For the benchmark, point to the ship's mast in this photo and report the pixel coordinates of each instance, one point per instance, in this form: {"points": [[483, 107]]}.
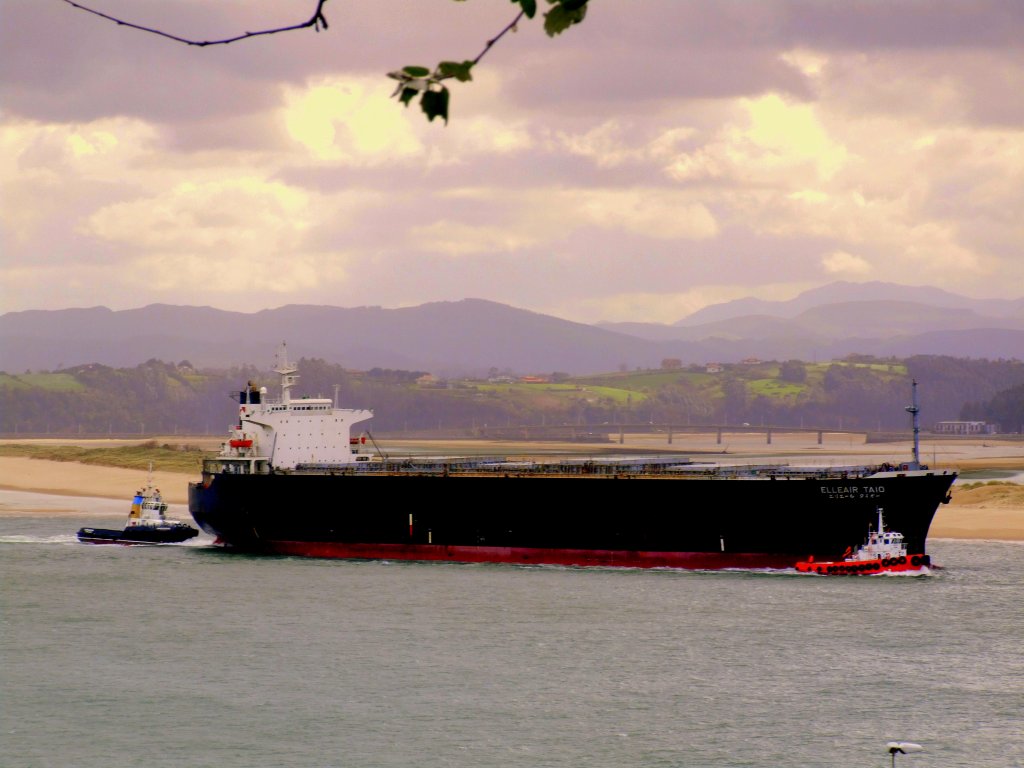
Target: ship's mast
{"points": [[287, 371], [913, 410]]}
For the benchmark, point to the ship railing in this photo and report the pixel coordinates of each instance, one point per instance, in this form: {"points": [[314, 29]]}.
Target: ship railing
{"points": [[240, 465], [633, 468]]}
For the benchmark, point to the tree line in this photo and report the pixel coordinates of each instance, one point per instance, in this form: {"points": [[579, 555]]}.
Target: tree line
{"points": [[859, 392]]}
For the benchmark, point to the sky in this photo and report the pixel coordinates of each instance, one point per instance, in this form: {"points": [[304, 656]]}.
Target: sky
{"points": [[661, 156]]}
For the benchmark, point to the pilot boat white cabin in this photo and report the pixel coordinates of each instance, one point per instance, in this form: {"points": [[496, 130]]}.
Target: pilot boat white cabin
{"points": [[880, 544], [148, 508]]}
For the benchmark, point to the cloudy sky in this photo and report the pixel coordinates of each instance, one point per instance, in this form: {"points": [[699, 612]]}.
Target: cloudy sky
{"points": [[662, 156]]}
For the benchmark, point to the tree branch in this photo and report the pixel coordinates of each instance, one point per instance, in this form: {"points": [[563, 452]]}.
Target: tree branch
{"points": [[413, 81], [511, 26], [316, 21]]}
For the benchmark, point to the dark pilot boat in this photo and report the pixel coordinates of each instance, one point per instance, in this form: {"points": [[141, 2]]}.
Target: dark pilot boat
{"points": [[147, 523]]}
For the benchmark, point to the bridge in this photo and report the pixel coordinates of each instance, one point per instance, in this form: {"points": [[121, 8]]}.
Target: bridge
{"points": [[609, 432]]}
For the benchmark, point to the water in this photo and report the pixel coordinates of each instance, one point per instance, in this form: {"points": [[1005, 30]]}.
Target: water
{"points": [[991, 475], [187, 656]]}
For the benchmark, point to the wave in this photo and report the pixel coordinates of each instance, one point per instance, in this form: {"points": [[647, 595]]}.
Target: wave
{"points": [[201, 542], [62, 538]]}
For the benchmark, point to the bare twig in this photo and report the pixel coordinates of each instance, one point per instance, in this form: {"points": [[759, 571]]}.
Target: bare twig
{"points": [[412, 80], [316, 21], [511, 26]]}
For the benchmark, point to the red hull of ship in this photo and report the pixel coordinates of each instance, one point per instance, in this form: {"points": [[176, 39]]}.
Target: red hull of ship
{"points": [[531, 555]]}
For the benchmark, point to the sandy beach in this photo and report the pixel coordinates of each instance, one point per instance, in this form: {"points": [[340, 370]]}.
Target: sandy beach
{"points": [[977, 511]]}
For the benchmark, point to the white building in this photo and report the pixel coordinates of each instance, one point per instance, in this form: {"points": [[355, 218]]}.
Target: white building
{"points": [[964, 428]]}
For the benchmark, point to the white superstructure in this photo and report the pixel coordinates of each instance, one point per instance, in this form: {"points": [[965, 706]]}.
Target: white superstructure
{"points": [[149, 510], [285, 433], [880, 544]]}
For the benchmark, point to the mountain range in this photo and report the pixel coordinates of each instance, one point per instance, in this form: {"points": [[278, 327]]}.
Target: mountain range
{"points": [[474, 336]]}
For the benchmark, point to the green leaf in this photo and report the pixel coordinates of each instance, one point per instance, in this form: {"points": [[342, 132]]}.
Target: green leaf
{"points": [[407, 95], [416, 71], [562, 16], [435, 104], [460, 71], [529, 7]]}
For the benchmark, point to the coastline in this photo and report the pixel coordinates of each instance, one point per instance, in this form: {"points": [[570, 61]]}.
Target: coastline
{"points": [[977, 511], [70, 478]]}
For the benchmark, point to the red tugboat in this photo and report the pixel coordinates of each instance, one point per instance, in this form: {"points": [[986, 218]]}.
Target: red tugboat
{"points": [[883, 552]]}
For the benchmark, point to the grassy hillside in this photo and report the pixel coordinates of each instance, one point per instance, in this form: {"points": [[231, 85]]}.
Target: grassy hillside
{"points": [[48, 382], [759, 380], [857, 392], [164, 458]]}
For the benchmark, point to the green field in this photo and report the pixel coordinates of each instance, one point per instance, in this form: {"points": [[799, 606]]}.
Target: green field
{"points": [[164, 458], [49, 382]]}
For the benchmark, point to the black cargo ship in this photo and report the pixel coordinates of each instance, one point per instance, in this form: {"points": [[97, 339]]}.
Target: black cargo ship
{"points": [[292, 480]]}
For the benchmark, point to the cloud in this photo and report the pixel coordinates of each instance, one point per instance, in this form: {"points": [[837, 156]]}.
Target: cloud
{"points": [[531, 217], [458, 239], [658, 157], [341, 120], [51, 173], [249, 280], [846, 264], [237, 215], [770, 141], [657, 213]]}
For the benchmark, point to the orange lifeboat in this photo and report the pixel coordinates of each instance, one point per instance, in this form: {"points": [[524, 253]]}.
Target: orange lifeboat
{"points": [[240, 443]]}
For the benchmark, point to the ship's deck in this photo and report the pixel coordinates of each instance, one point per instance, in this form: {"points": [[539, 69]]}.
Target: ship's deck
{"points": [[628, 467]]}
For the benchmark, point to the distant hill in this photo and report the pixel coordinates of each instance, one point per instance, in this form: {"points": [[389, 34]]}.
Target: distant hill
{"points": [[877, 319], [842, 292], [837, 319], [473, 336], [443, 337]]}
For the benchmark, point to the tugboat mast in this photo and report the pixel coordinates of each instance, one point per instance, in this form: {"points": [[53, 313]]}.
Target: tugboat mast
{"points": [[913, 410]]}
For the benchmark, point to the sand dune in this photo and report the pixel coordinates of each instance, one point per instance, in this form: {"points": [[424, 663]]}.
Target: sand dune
{"points": [[68, 478]]}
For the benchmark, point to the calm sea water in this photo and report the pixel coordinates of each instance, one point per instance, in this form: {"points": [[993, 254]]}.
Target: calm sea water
{"points": [[188, 656]]}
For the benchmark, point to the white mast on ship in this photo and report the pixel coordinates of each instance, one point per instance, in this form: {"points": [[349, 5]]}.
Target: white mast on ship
{"points": [[913, 410], [287, 371]]}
